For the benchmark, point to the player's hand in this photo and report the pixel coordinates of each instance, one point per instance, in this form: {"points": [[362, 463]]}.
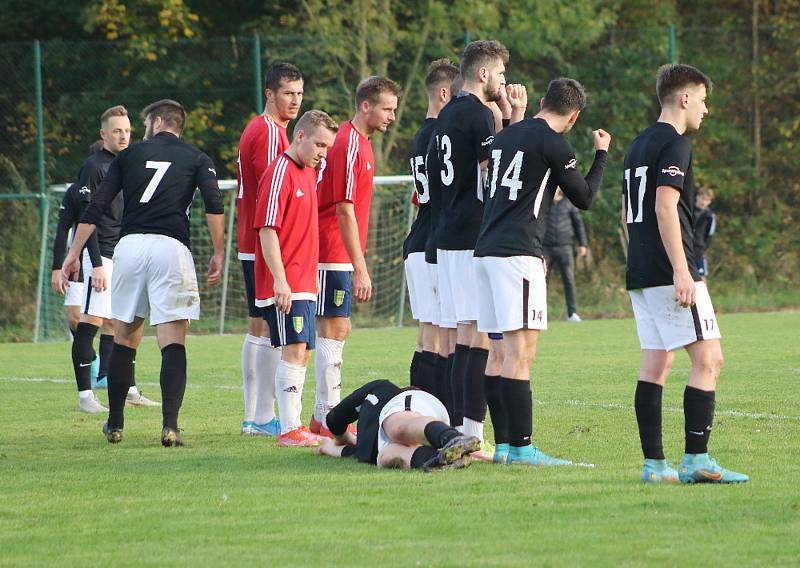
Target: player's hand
{"points": [[602, 139], [283, 296], [99, 279], [517, 96], [362, 285], [503, 103], [582, 251], [544, 266], [71, 266], [684, 288], [55, 281], [214, 275]]}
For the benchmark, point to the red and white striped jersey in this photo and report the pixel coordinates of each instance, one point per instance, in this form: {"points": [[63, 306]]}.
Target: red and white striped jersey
{"points": [[346, 176], [261, 142], [287, 202]]}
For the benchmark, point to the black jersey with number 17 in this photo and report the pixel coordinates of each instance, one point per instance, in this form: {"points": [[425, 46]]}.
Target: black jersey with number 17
{"points": [[418, 235], [464, 133], [528, 161], [159, 177], [658, 157]]}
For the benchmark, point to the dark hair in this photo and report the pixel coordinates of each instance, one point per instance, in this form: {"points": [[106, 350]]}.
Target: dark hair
{"points": [[171, 112], [118, 110], [95, 146], [440, 74], [480, 54], [279, 71], [675, 76], [564, 96], [371, 88]]}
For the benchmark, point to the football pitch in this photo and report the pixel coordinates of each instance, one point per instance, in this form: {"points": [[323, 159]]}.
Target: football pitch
{"points": [[67, 497]]}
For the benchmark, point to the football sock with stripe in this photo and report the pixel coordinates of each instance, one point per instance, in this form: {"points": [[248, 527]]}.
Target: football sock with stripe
{"points": [[457, 380], [120, 374], [289, 381], [497, 409], [648, 415], [517, 400], [698, 411], [328, 368], [438, 433], [83, 354], [173, 383], [249, 369], [267, 360], [106, 345]]}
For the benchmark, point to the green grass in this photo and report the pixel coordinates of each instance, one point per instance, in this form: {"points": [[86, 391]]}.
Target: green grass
{"points": [[69, 498]]}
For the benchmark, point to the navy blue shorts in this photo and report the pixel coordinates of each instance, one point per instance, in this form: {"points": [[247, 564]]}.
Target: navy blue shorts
{"points": [[298, 326], [249, 271], [335, 296], [496, 336]]}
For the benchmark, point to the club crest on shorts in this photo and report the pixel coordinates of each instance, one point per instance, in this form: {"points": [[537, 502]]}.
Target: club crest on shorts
{"points": [[297, 323], [338, 297]]}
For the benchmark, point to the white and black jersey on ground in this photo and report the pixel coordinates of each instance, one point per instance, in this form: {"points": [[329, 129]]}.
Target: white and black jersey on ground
{"points": [[159, 177], [363, 405], [464, 133], [69, 215], [105, 237], [659, 156], [528, 161], [418, 235]]}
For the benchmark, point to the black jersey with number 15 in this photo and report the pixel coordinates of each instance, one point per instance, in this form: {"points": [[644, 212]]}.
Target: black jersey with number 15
{"points": [[658, 157], [418, 235], [158, 178], [528, 161]]}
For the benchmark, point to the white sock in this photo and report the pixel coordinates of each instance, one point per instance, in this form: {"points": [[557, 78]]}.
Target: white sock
{"points": [[85, 394], [328, 367], [267, 364], [472, 428], [249, 354], [289, 380], [133, 390]]}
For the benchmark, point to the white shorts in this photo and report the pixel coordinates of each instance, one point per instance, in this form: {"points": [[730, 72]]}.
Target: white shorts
{"points": [[513, 293], [155, 274], [662, 324], [414, 400], [458, 291], [96, 303], [74, 295], [421, 283]]}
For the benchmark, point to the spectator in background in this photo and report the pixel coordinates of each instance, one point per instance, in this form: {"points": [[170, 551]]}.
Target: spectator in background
{"points": [[705, 225], [563, 225]]}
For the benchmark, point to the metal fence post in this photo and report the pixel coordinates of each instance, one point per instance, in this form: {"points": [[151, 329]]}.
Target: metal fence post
{"points": [[671, 44], [41, 307], [227, 269], [257, 73]]}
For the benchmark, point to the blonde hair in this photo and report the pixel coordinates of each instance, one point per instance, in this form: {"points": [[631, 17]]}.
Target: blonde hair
{"points": [[314, 119], [117, 110]]}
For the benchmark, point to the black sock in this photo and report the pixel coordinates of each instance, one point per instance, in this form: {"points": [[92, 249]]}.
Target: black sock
{"points": [[439, 367], [647, 402], [426, 372], [438, 433], [173, 382], [475, 385], [422, 455], [517, 400], [497, 410], [457, 380], [446, 384], [83, 354], [106, 345], [698, 411], [120, 370], [414, 369]]}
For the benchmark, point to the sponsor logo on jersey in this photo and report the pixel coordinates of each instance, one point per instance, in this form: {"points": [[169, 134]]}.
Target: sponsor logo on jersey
{"points": [[290, 389], [297, 323], [338, 298], [571, 164], [213, 171], [84, 189], [369, 166], [299, 193], [371, 398], [673, 171], [488, 141]]}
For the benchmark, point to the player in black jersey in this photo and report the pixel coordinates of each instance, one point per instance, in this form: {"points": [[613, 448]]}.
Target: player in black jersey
{"points": [[155, 269], [420, 275], [464, 133], [529, 160], [671, 304], [397, 428]]}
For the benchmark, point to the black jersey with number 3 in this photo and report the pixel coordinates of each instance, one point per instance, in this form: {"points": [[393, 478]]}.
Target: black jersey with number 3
{"points": [[418, 235], [658, 157], [158, 178], [528, 161], [464, 133]]}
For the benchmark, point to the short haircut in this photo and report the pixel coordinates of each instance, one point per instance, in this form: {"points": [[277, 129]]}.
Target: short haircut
{"points": [[705, 192], [95, 146], [281, 71], [480, 54], [171, 112], [564, 96], [456, 85], [676, 76], [315, 119], [371, 89], [118, 110], [440, 74]]}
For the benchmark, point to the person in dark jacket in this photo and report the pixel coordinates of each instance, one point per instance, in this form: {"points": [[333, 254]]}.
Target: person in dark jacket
{"points": [[563, 225], [705, 225]]}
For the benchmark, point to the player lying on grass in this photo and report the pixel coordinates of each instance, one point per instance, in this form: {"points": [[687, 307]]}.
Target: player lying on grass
{"points": [[397, 428]]}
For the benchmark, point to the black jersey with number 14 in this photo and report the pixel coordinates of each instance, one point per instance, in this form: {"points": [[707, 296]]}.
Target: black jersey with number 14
{"points": [[528, 161], [658, 157]]}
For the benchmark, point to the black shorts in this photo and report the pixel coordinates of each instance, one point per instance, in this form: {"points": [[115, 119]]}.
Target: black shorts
{"points": [[249, 271]]}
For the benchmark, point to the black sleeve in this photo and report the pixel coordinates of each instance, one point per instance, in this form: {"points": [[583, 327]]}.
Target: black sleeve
{"points": [[67, 216], [577, 225], [483, 134], [346, 412], [205, 179], [580, 191], [95, 178], [105, 194], [673, 162]]}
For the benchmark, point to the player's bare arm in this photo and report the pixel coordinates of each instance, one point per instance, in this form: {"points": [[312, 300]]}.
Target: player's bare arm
{"points": [[216, 228], [272, 256], [72, 263], [669, 227], [623, 219], [348, 227]]}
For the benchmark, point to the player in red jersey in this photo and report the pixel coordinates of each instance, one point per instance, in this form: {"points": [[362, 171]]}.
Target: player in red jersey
{"points": [[287, 254], [261, 142], [345, 192]]}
